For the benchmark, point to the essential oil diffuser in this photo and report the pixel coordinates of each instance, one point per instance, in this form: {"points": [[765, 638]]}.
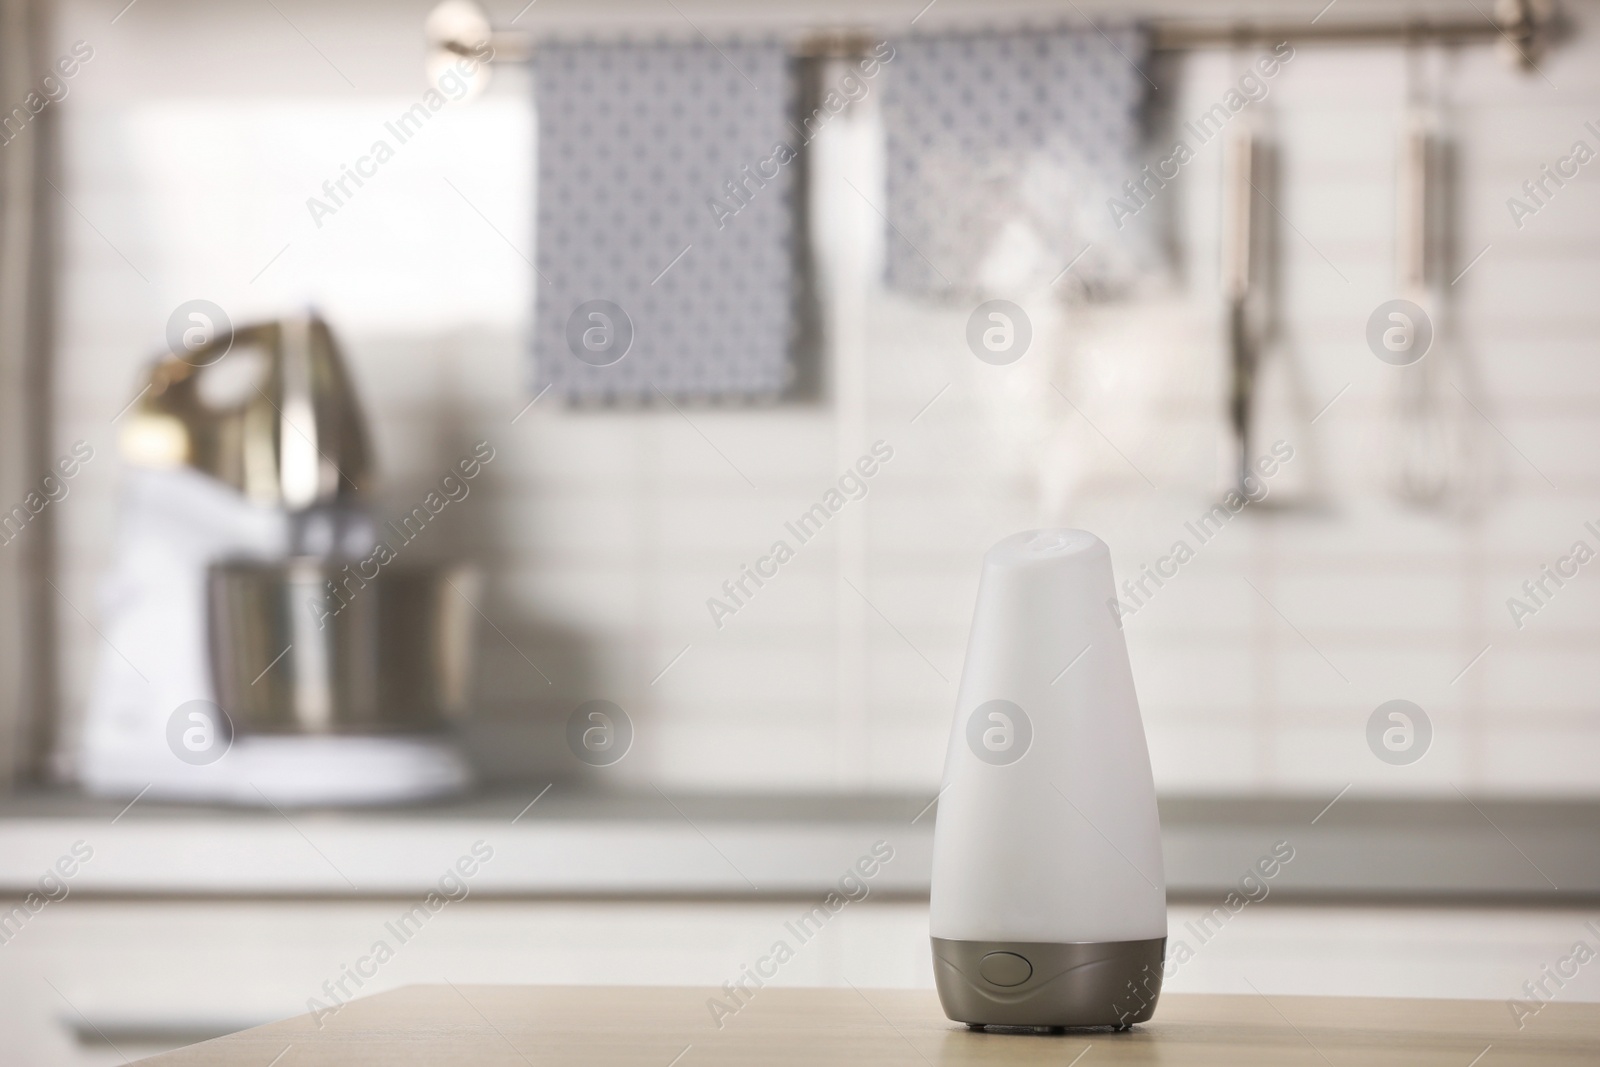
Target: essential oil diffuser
{"points": [[1048, 899]]}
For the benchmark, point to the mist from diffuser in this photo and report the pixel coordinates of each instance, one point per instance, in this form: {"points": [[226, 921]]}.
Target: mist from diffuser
{"points": [[1048, 895]]}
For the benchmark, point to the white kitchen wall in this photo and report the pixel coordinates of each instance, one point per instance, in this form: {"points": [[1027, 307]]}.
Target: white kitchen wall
{"points": [[193, 137]]}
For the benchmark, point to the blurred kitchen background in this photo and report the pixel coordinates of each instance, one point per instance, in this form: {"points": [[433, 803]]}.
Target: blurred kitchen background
{"points": [[769, 751]]}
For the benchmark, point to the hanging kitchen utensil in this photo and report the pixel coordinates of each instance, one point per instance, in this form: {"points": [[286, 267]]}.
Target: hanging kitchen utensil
{"points": [[1420, 476], [1277, 398], [1238, 190], [1432, 466]]}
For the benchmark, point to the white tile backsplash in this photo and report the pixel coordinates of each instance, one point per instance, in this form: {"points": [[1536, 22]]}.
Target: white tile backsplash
{"points": [[603, 533]]}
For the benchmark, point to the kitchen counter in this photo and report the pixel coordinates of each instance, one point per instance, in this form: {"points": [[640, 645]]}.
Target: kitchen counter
{"points": [[449, 1024], [554, 840]]}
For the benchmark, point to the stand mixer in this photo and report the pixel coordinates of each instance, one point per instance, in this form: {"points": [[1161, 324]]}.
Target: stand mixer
{"points": [[247, 467]]}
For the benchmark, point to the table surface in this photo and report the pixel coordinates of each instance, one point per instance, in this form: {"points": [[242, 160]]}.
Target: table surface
{"points": [[520, 1026]]}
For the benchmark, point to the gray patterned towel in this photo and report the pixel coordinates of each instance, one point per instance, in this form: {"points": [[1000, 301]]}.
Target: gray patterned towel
{"points": [[989, 133], [665, 226]]}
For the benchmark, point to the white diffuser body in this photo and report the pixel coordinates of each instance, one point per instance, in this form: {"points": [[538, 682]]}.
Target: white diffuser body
{"points": [[1048, 894]]}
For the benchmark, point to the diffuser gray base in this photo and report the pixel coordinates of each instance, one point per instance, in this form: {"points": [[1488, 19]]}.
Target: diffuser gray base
{"points": [[1037, 983]]}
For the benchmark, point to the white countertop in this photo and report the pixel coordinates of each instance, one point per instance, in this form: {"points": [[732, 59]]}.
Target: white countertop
{"points": [[580, 843]]}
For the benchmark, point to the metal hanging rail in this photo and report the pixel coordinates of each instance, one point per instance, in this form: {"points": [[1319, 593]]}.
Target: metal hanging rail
{"points": [[1523, 28]]}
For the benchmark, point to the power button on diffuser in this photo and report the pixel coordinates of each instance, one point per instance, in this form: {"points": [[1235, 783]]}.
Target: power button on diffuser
{"points": [[1005, 969]]}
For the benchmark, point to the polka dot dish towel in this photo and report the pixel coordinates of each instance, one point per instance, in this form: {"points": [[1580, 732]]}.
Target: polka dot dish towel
{"points": [[650, 286], [1003, 150]]}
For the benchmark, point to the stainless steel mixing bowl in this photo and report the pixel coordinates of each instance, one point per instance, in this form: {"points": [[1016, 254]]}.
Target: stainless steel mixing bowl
{"points": [[310, 646]]}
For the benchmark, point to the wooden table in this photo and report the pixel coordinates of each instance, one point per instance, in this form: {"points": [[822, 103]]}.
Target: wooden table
{"points": [[517, 1026]]}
